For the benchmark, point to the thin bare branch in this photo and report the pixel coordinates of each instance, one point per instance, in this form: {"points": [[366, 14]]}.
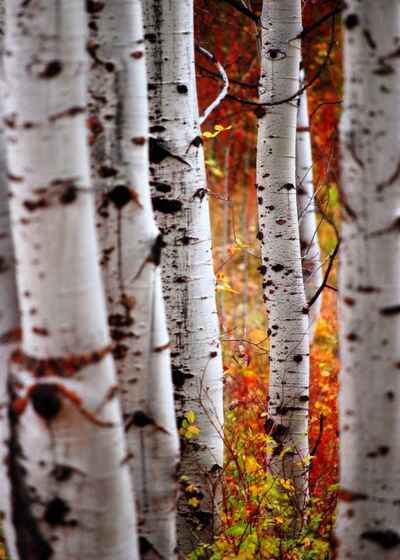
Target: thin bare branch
{"points": [[243, 10], [224, 91], [334, 12], [308, 84]]}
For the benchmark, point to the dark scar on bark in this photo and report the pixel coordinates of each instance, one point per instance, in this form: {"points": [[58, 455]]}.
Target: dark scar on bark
{"points": [[385, 538], [140, 419], [71, 112], [60, 367], [11, 336], [121, 195], [158, 152], [200, 193], [31, 544], [166, 205], [161, 187], [390, 310], [51, 70], [156, 250], [94, 6], [349, 496]]}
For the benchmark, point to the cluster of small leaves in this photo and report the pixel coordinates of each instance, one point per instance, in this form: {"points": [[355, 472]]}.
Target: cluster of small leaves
{"points": [[188, 429], [257, 509]]}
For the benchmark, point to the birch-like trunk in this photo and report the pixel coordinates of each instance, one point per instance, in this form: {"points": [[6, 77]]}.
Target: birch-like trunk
{"points": [[9, 323], [71, 494], [180, 200], [130, 248], [369, 512], [306, 208], [9, 335], [279, 234]]}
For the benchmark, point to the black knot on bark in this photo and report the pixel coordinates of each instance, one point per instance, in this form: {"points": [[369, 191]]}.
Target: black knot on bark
{"points": [[351, 21], [120, 196], [56, 512], [385, 538], [46, 400]]}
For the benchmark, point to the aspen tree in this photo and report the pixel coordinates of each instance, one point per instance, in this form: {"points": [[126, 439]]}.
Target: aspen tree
{"points": [[180, 200], [368, 524], [9, 324], [131, 247], [306, 208], [280, 247], [71, 495]]}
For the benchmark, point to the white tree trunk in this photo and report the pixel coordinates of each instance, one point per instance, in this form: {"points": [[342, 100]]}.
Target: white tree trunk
{"points": [[306, 208], [180, 200], [369, 512], [9, 325], [130, 256], [9, 336], [71, 493], [279, 234]]}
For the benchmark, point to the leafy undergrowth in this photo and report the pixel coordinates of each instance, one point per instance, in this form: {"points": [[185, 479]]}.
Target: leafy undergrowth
{"points": [[256, 509]]}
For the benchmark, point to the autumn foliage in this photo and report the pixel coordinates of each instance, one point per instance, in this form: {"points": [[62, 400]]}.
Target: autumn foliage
{"points": [[255, 507]]}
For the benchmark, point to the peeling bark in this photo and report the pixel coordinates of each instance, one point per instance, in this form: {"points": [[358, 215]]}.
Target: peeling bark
{"points": [[71, 494], [280, 248], [180, 201], [130, 249], [368, 524]]}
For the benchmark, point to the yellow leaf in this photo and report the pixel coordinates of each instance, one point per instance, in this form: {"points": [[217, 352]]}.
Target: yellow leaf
{"points": [[192, 431], [218, 128], [286, 484], [190, 416], [251, 465], [194, 502], [217, 172]]}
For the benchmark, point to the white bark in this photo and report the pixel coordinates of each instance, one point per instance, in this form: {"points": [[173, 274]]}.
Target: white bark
{"points": [[369, 512], [181, 204], [71, 488], [9, 326], [306, 208], [130, 247], [279, 234]]}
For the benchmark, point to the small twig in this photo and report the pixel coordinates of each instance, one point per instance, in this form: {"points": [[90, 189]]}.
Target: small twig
{"points": [[322, 104], [231, 80], [308, 84], [332, 257], [224, 91], [243, 10], [319, 437], [307, 30]]}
